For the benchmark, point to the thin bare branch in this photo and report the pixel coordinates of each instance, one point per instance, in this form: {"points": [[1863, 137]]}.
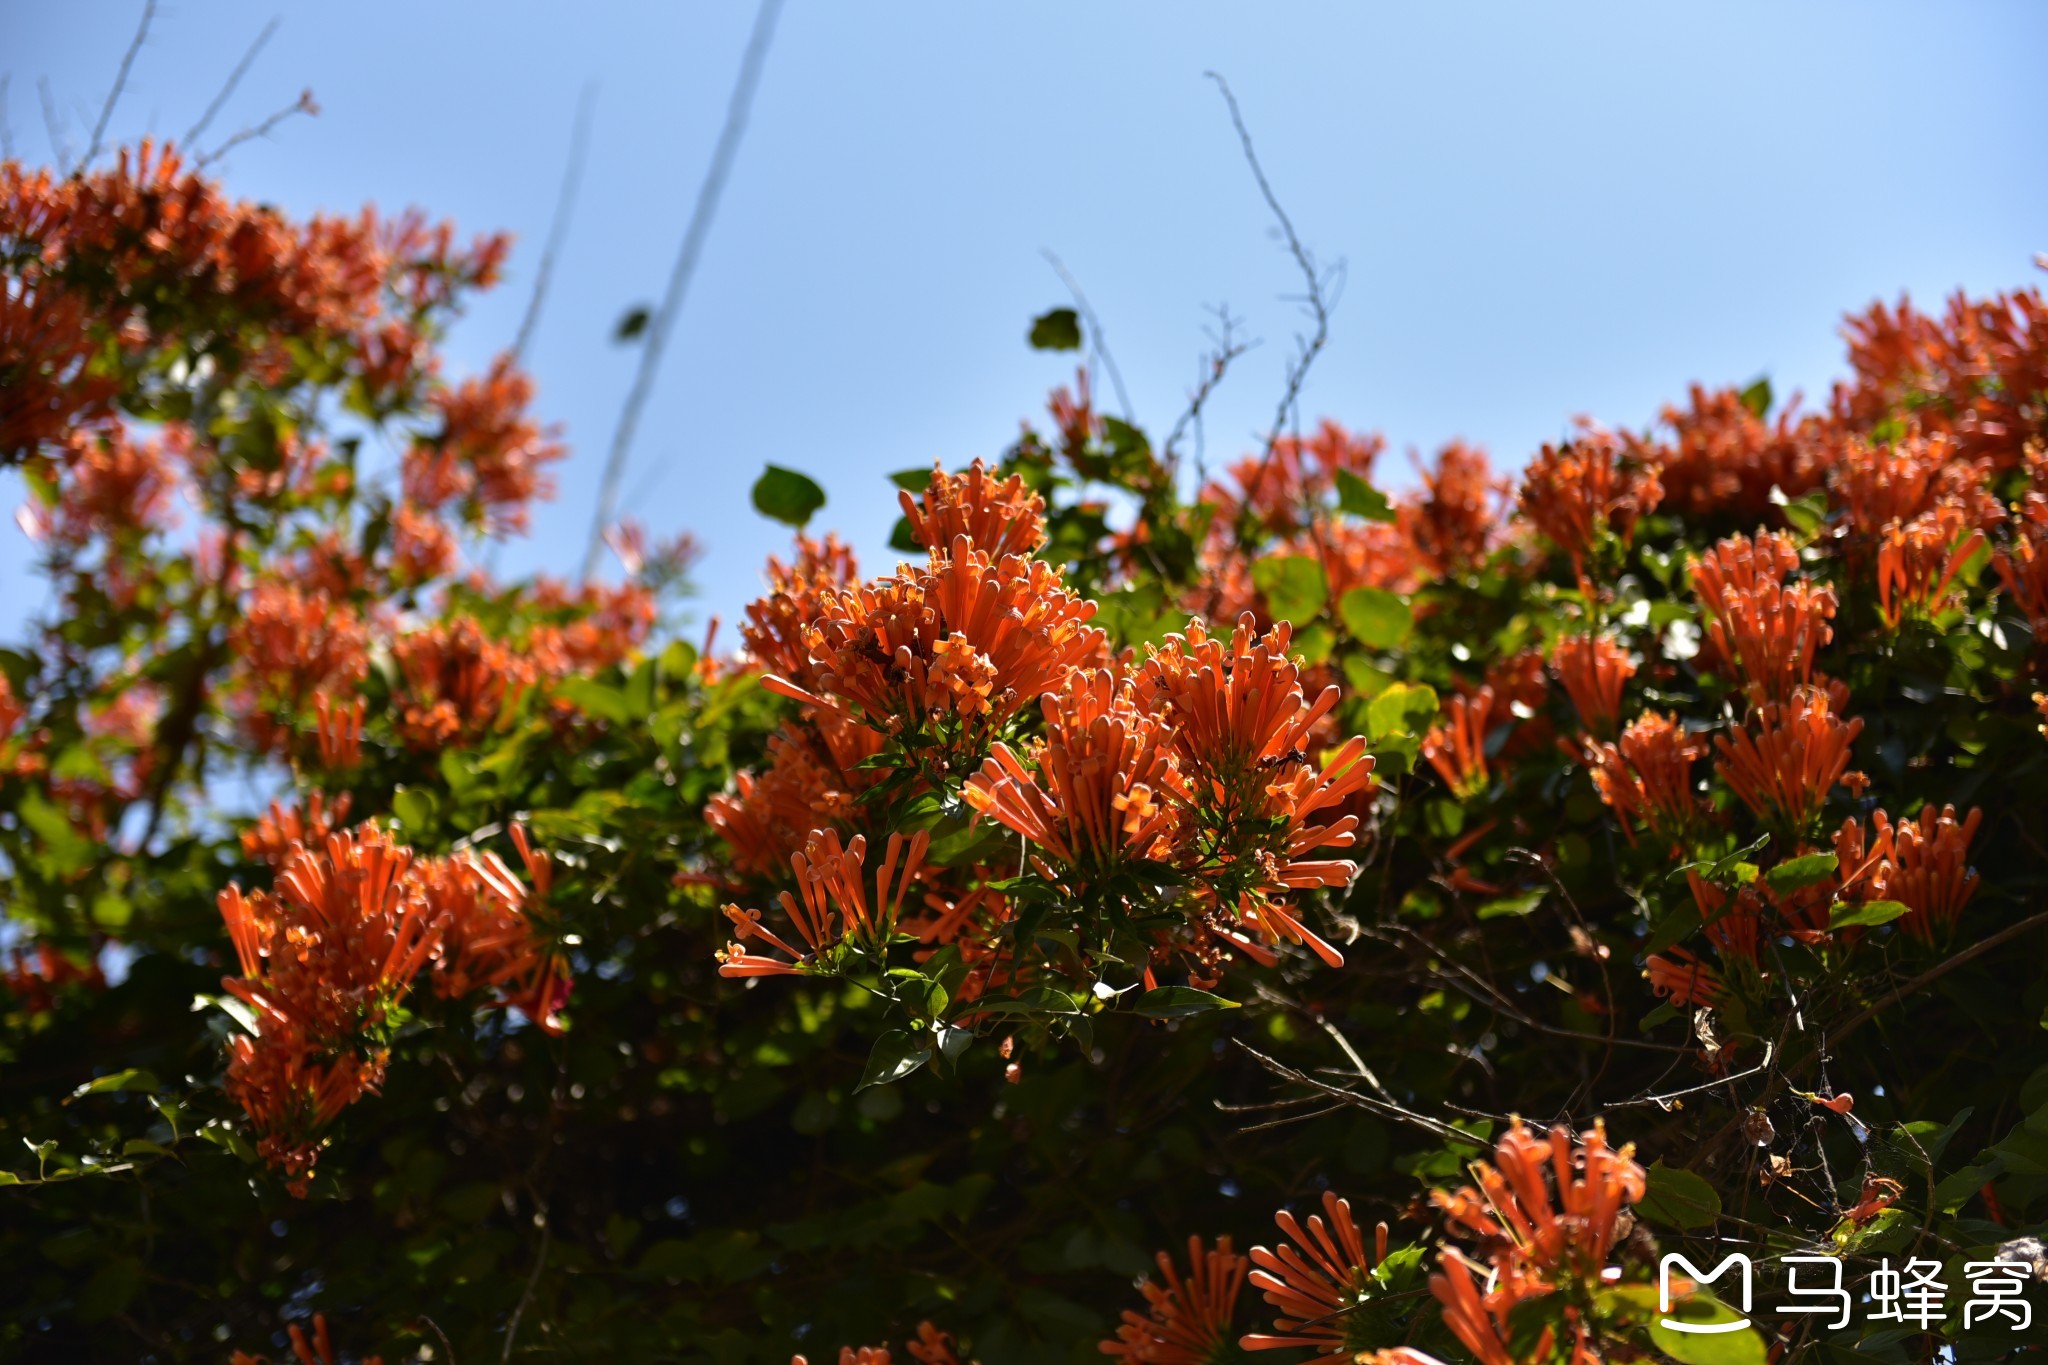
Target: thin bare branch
{"points": [[1214, 365], [228, 89], [53, 124], [99, 130], [1096, 340], [1383, 1108], [540, 1260], [1322, 287], [6, 127], [303, 105], [1663, 1101], [663, 322], [1939, 970], [558, 230]]}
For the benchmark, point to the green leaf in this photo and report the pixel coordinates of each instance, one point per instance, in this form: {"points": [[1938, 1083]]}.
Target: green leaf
{"points": [[786, 496], [1403, 708], [1361, 499], [1176, 1002], [1795, 874], [595, 698], [1676, 1198], [902, 539], [896, 1054], [1375, 617], [134, 1078], [1057, 330], [1294, 587], [1847, 914], [1037, 1000], [913, 480], [414, 807], [1743, 1347], [633, 323], [1757, 398], [68, 850], [1506, 906], [1807, 514]]}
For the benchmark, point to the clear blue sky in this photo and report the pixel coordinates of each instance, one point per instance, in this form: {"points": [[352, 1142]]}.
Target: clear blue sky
{"points": [[1545, 210]]}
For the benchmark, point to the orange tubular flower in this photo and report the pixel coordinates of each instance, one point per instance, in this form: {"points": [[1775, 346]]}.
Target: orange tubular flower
{"points": [[1789, 757], [1579, 493], [775, 624], [1923, 865], [316, 1350], [1550, 1207], [1240, 731], [931, 1346], [1728, 461], [1456, 747], [1314, 1277], [813, 781], [1594, 669], [1455, 521], [458, 682], [492, 942], [1761, 629], [1682, 979], [285, 830], [834, 904], [967, 636], [1918, 560], [1187, 1319], [1648, 777], [340, 734], [1733, 929], [1112, 790], [998, 518]]}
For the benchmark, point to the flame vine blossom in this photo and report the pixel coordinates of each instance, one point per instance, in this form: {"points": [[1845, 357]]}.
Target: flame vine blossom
{"points": [[1187, 1318], [329, 956]]}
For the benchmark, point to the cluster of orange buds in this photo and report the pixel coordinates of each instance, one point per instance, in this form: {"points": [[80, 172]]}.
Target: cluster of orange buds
{"points": [[1922, 864], [1647, 777], [1679, 976], [1456, 745], [1458, 515], [1546, 1215], [1109, 789], [1187, 1318], [833, 906], [2022, 564], [1000, 517], [813, 782], [775, 624], [1729, 461], [1976, 375], [1918, 562], [1314, 1280], [1790, 756], [329, 955], [1583, 492], [929, 1347], [458, 683], [1594, 670], [1763, 627]]}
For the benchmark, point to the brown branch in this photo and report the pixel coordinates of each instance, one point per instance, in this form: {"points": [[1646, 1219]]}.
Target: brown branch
{"points": [[1939, 970], [228, 89], [99, 130]]}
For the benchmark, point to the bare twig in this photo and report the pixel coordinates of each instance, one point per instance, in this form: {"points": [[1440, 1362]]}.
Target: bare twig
{"points": [[558, 230], [446, 1344], [302, 105], [1096, 340], [540, 1260], [1383, 1108], [1322, 286], [6, 128], [1214, 365], [1662, 1101], [53, 124], [664, 318], [228, 89], [1939, 970], [99, 130]]}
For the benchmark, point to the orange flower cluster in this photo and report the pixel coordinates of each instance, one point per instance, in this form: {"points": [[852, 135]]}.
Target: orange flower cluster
{"points": [[834, 903], [812, 782], [1977, 375], [1001, 518], [1790, 755], [1727, 461], [1187, 1318], [1679, 976], [317, 1349], [1922, 864], [2022, 564], [1918, 562], [328, 957], [457, 683], [1314, 1280], [1547, 1213], [929, 1347], [1762, 629], [1582, 493], [1457, 519], [1278, 490], [1647, 776], [1594, 670], [1456, 746], [940, 657]]}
